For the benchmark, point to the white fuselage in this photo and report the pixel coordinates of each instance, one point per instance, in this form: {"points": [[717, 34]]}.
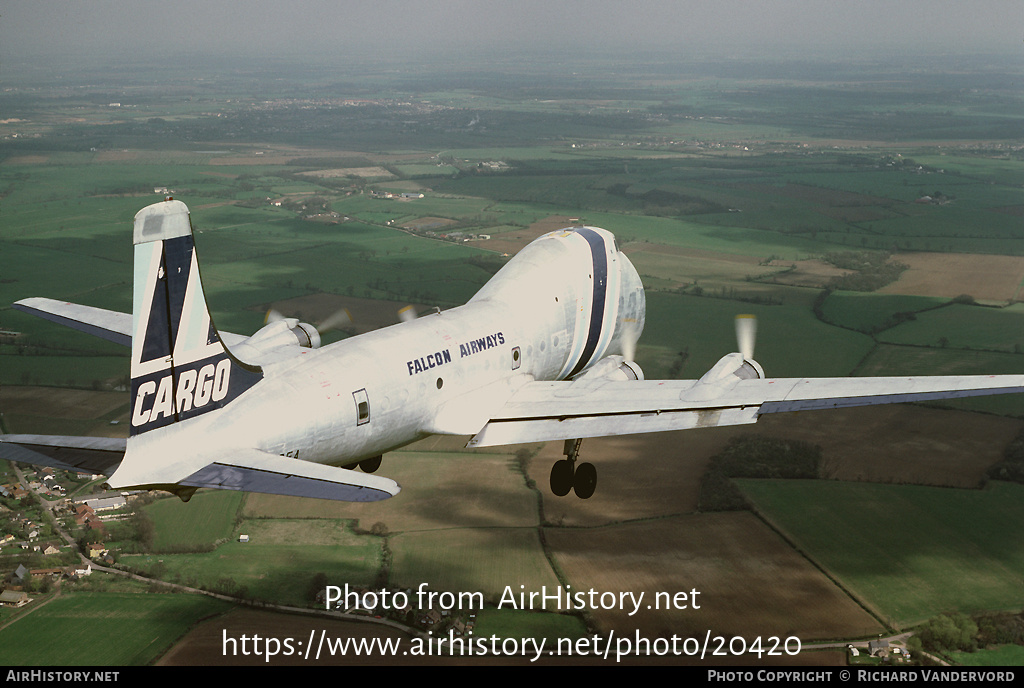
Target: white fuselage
{"points": [[555, 309]]}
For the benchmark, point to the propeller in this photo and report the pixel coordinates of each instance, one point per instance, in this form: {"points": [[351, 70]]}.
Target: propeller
{"points": [[407, 313], [630, 335], [338, 319], [746, 333]]}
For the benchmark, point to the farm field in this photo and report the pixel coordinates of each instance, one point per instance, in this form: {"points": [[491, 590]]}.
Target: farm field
{"points": [[905, 551], [744, 574], [271, 566], [125, 629], [201, 522]]}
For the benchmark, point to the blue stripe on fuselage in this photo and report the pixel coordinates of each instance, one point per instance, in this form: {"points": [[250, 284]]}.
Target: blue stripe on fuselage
{"points": [[597, 303]]}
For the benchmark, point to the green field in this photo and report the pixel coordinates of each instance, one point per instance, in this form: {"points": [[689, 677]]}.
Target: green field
{"points": [[471, 560], [964, 327], [123, 629], [1004, 656], [278, 563], [868, 312], [206, 518], [506, 623], [905, 551]]}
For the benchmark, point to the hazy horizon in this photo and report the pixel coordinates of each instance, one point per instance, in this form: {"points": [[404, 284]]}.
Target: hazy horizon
{"points": [[123, 30]]}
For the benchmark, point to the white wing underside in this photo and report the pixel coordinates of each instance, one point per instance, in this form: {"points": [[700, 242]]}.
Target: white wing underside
{"points": [[543, 411]]}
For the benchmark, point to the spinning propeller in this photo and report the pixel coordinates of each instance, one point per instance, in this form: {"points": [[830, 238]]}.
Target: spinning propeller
{"points": [[307, 334], [407, 313], [746, 333], [338, 319]]}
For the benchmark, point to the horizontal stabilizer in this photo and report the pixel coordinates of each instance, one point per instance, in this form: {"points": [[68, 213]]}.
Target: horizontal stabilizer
{"points": [[96, 455], [99, 322], [110, 325], [253, 470]]}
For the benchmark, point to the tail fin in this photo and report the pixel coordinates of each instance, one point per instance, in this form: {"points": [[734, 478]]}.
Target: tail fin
{"points": [[180, 367]]}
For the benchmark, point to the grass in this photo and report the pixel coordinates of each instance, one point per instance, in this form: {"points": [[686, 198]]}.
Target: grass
{"points": [[1005, 655], [123, 629], [506, 623], [271, 567], [790, 343], [964, 327], [866, 311], [207, 517], [471, 560]]}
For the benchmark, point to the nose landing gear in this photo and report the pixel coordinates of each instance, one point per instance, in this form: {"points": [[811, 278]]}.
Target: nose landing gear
{"points": [[566, 475]]}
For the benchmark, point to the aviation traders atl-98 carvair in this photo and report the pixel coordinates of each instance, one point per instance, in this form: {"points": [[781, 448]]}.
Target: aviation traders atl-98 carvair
{"points": [[544, 351]]}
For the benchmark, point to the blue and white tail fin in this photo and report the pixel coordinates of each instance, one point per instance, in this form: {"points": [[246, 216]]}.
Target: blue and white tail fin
{"points": [[180, 367]]}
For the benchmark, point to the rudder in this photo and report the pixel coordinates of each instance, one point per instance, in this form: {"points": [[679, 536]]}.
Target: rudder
{"points": [[180, 368]]}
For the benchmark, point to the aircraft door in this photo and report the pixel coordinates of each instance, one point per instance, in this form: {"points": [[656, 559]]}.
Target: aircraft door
{"points": [[362, 401]]}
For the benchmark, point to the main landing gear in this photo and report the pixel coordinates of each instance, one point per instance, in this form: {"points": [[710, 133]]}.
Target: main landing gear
{"points": [[368, 465], [566, 475]]}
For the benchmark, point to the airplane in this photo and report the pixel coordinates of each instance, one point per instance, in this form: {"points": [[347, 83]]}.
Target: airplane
{"points": [[542, 352]]}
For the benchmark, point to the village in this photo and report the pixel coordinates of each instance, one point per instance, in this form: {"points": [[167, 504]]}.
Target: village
{"points": [[47, 537], [49, 540]]}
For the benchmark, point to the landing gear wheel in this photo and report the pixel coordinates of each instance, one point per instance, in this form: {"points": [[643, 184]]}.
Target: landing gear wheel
{"points": [[561, 477], [370, 465], [585, 481]]}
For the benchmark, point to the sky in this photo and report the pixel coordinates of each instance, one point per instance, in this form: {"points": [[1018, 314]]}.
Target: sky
{"points": [[31, 28]]}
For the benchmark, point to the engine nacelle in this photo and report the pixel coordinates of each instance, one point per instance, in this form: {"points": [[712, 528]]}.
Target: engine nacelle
{"points": [[275, 340], [733, 365], [613, 368]]}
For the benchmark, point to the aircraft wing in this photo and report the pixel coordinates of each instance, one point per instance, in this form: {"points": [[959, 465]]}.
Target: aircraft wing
{"points": [[542, 411], [110, 325]]}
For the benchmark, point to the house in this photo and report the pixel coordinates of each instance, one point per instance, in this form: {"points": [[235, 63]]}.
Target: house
{"points": [[106, 503], [11, 598], [878, 648], [42, 573], [78, 571]]}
